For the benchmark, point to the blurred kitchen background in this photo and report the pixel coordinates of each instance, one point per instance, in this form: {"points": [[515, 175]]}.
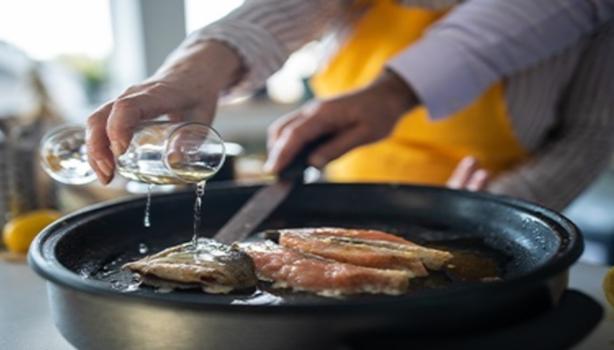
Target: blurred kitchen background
{"points": [[61, 59]]}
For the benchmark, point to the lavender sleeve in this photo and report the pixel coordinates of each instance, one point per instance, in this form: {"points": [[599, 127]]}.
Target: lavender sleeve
{"points": [[482, 41], [265, 32]]}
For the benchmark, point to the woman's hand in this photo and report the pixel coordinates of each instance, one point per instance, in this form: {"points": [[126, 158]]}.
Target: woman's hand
{"points": [[469, 176], [351, 120], [185, 88]]}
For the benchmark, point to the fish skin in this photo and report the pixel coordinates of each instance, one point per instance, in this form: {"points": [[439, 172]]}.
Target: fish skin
{"points": [[375, 235], [369, 248], [218, 268]]}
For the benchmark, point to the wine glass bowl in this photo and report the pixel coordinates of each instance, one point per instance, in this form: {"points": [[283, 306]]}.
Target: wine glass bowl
{"points": [[194, 152], [64, 156]]}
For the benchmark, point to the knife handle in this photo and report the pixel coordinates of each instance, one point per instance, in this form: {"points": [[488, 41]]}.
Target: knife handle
{"points": [[294, 171]]}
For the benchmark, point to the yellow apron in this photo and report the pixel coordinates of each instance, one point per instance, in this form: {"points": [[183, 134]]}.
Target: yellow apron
{"points": [[419, 150]]}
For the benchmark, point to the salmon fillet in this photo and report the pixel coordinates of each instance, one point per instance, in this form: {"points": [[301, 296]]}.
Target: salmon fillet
{"points": [[288, 268], [375, 235], [365, 248]]}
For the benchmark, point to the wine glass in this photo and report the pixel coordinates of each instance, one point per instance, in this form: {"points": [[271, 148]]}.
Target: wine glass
{"points": [[160, 152]]}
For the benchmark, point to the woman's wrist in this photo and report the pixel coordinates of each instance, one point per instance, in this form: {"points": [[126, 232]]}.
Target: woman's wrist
{"points": [[209, 65], [394, 92]]}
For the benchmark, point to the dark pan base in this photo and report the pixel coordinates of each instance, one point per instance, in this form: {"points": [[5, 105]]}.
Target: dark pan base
{"points": [[96, 322], [559, 328], [540, 244]]}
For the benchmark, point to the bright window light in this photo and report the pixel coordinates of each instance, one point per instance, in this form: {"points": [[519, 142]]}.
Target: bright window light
{"points": [[47, 29], [199, 13]]}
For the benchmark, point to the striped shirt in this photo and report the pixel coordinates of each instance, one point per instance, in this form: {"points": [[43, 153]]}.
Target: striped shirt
{"points": [[555, 58]]}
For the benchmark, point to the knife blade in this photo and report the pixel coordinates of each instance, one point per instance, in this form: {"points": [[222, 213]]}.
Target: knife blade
{"points": [[267, 199], [254, 212]]}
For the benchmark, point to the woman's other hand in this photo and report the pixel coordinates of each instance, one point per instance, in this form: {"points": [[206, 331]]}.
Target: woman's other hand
{"points": [[351, 120], [469, 176], [186, 87]]}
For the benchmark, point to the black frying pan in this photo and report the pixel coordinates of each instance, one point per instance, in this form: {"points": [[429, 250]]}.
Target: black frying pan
{"points": [[78, 255]]}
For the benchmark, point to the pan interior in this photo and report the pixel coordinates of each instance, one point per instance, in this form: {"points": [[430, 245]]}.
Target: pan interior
{"points": [[96, 243]]}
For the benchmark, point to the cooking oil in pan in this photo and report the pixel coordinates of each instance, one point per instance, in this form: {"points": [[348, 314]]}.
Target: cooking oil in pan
{"points": [[115, 276], [473, 262]]}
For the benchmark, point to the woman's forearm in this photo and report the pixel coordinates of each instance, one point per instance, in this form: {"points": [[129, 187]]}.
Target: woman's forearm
{"points": [[483, 41]]}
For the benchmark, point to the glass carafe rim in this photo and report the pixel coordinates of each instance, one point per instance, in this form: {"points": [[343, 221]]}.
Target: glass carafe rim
{"points": [[183, 124]]}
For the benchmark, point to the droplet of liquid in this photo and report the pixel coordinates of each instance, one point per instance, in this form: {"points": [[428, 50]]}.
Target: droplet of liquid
{"points": [[146, 220], [200, 191], [131, 287], [143, 249], [125, 286], [259, 297], [163, 290]]}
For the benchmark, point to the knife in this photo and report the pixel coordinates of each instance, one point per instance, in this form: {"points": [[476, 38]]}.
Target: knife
{"points": [[267, 199]]}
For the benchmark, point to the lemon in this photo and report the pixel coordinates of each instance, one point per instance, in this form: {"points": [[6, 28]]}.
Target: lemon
{"points": [[608, 286], [19, 232]]}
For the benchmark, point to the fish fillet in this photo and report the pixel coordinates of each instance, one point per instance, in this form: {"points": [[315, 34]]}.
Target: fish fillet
{"points": [[216, 267], [288, 268], [365, 248], [375, 235]]}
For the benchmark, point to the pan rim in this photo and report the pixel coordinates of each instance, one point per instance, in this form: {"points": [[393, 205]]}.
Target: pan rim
{"points": [[568, 252]]}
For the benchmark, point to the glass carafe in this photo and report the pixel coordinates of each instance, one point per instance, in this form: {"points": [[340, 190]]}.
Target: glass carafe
{"points": [[160, 152]]}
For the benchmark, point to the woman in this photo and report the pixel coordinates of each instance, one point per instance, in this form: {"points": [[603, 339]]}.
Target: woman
{"points": [[519, 86]]}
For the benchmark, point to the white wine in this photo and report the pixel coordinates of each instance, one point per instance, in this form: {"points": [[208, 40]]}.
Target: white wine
{"points": [[150, 169], [193, 173], [150, 172]]}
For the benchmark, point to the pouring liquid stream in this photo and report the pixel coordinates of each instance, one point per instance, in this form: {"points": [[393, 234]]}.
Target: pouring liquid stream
{"points": [[198, 173], [146, 218], [198, 202]]}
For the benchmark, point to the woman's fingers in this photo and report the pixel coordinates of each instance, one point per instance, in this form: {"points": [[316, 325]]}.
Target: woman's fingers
{"points": [[469, 176], [348, 120], [309, 123], [129, 111], [339, 145], [186, 87], [463, 173], [100, 157], [177, 117], [291, 141], [278, 126], [479, 180]]}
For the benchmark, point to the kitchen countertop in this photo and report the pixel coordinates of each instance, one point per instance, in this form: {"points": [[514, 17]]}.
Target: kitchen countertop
{"points": [[25, 322]]}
